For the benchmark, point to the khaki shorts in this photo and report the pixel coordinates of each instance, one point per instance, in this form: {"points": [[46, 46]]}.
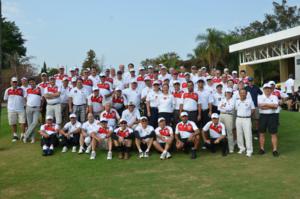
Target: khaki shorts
{"points": [[255, 115], [15, 117]]}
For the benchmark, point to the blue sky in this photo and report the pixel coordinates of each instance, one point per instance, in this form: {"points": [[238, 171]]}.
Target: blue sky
{"points": [[60, 32]]}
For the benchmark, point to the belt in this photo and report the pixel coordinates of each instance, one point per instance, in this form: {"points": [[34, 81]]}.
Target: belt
{"points": [[243, 116], [80, 105], [227, 113], [53, 104], [34, 106]]}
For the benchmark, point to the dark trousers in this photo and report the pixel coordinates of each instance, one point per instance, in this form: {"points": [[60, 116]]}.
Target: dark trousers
{"points": [[72, 141], [204, 118], [176, 117], [212, 146], [51, 140], [215, 109], [137, 135], [193, 116], [154, 117], [168, 117]]}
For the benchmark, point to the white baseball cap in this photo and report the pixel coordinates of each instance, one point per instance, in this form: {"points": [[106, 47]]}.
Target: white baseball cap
{"points": [[72, 115], [95, 88], [133, 81], [122, 120], [65, 78], [118, 89], [14, 79], [143, 118], [156, 82], [141, 68], [74, 79], [147, 78], [228, 90], [272, 83], [150, 66], [208, 77], [102, 75], [163, 67], [214, 115], [234, 72], [161, 119], [267, 85], [183, 114], [176, 82], [132, 70], [103, 120], [49, 117]]}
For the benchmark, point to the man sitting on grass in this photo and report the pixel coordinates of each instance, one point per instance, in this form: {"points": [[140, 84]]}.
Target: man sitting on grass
{"points": [[164, 138], [48, 132], [102, 136], [122, 137], [144, 135], [70, 134], [214, 134]]}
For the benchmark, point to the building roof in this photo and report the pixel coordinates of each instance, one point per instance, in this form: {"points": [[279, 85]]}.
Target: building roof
{"points": [[278, 36]]}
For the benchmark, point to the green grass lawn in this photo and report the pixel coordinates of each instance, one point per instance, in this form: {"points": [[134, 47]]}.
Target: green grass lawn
{"points": [[24, 173]]}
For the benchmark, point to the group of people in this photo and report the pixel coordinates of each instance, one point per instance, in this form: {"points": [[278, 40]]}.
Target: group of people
{"points": [[153, 106]]}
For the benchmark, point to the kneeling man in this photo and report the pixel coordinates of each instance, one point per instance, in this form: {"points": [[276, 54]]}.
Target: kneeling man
{"points": [[48, 132]]}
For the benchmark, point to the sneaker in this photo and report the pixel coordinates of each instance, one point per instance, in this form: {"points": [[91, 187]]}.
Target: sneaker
{"points": [[193, 155], [81, 149], [93, 155], [88, 149], [22, 136], [168, 156], [255, 138], [64, 149], [45, 152], [275, 154], [15, 138], [120, 156], [74, 149], [241, 151], [32, 141], [126, 156], [141, 154], [249, 155], [146, 154], [109, 155], [261, 151], [231, 151], [50, 152], [203, 147], [163, 156]]}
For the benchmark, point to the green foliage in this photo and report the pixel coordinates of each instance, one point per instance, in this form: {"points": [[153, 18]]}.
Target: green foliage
{"points": [[52, 71], [12, 42], [44, 68], [170, 59], [91, 61]]}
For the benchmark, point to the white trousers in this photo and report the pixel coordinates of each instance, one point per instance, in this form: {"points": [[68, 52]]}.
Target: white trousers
{"points": [[227, 120], [244, 131]]}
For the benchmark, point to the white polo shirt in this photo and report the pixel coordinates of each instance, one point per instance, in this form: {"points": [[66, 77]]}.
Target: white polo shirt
{"points": [[104, 88], [244, 108], [205, 98], [165, 133], [112, 117], [33, 96], [43, 86], [133, 96], [144, 131], [15, 99], [64, 94], [79, 96], [263, 99], [145, 91], [152, 98], [123, 132], [190, 101], [51, 90], [95, 79], [186, 129], [215, 131], [104, 132], [217, 98], [70, 128], [88, 85], [177, 99], [91, 127], [49, 129], [226, 106], [119, 83], [166, 103], [163, 77], [289, 84], [131, 117]]}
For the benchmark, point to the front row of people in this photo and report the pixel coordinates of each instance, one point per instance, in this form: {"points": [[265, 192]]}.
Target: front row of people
{"points": [[93, 134]]}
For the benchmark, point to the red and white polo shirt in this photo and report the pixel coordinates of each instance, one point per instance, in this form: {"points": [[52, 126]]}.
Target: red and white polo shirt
{"points": [[15, 99], [185, 129], [215, 130]]}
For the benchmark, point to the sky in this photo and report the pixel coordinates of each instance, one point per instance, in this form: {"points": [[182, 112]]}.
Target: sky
{"points": [[60, 32]]}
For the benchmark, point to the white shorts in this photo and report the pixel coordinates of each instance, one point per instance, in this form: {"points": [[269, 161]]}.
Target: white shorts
{"points": [[87, 140], [101, 135], [15, 117]]}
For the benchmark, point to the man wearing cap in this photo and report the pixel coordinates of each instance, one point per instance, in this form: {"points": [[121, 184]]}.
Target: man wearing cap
{"points": [[119, 81], [164, 138], [210, 85], [187, 135], [191, 103], [91, 125], [152, 104], [181, 75], [254, 92], [217, 96], [78, 100], [144, 136], [194, 74], [52, 95], [122, 138], [102, 136], [177, 94], [110, 114], [268, 120], [105, 87], [60, 75], [226, 108], [87, 82], [131, 115], [43, 85], [118, 100], [140, 78], [164, 74], [133, 94], [33, 98], [70, 134], [214, 133], [235, 77], [95, 102], [64, 100], [14, 96], [94, 76], [48, 131], [244, 109]]}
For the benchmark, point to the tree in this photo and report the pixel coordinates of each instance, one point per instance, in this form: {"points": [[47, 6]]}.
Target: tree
{"points": [[44, 68], [12, 42], [91, 61], [170, 59], [52, 71]]}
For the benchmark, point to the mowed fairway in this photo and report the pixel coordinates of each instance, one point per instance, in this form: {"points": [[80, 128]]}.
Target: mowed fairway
{"points": [[24, 173]]}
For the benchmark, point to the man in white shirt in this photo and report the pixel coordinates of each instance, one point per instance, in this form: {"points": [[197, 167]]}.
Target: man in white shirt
{"points": [[48, 131], [52, 96], [94, 76], [14, 96], [289, 85], [131, 115], [33, 107], [214, 133], [133, 94], [78, 100], [144, 136], [268, 104], [111, 115], [164, 138], [70, 134], [95, 103], [187, 135], [244, 109], [64, 100]]}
